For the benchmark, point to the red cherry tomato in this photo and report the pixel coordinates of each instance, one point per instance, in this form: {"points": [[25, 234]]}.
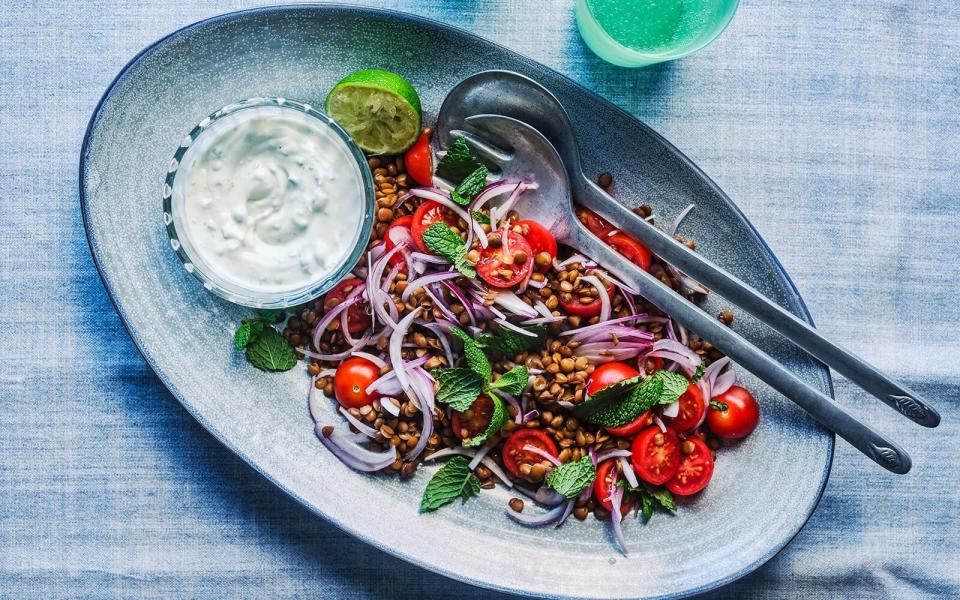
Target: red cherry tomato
{"points": [[473, 421], [358, 318], [609, 374], [695, 470], [419, 160], [540, 240], [494, 268], [631, 428], [631, 249], [575, 307], [608, 474], [655, 462], [398, 231], [597, 225], [427, 214], [351, 380], [740, 417], [691, 413], [514, 455]]}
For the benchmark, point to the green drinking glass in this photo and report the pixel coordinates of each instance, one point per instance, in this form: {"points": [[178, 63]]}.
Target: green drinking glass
{"points": [[637, 33]]}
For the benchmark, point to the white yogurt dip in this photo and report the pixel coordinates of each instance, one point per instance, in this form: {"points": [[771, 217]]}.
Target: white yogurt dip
{"points": [[268, 199]]}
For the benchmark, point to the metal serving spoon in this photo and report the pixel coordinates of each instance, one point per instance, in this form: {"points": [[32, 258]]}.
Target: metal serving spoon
{"points": [[514, 95], [522, 152]]}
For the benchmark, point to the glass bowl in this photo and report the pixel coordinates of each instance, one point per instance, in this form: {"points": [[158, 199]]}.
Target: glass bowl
{"points": [[193, 260]]}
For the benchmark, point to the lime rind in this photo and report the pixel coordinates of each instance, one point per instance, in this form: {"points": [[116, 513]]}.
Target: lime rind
{"points": [[379, 109]]}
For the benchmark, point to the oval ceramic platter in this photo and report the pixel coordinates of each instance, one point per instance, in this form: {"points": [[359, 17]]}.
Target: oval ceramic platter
{"points": [[764, 489]]}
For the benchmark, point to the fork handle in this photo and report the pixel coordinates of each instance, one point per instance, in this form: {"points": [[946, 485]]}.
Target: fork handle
{"points": [[798, 331], [829, 414]]}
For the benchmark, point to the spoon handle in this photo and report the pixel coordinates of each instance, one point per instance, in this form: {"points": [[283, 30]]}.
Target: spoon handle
{"points": [[798, 331], [822, 408]]}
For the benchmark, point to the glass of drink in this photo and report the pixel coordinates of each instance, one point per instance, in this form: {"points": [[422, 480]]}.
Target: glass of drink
{"points": [[637, 33]]}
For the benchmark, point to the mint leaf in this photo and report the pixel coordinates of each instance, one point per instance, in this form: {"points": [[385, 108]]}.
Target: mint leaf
{"points": [[248, 330], [513, 381], [507, 343], [497, 420], [663, 387], [476, 360], [663, 497], [458, 387], [454, 479], [271, 352], [269, 314], [700, 369], [470, 186], [481, 217], [572, 478], [606, 397], [647, 510], [442, 241], [458, 162]]}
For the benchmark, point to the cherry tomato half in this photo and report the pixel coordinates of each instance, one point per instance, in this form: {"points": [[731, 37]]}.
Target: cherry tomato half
{"points": [[740, 417], [695, 470], [597, 225], [575, 307], [497, 269], [473, 421], [631, 249], [397, 232], [358, 318], [514, 455], [351, 380], [419, 160], [540, 240], [692, 410], [656, 455], [631, 428], [609, 374], [608, 474], [427, 214]]}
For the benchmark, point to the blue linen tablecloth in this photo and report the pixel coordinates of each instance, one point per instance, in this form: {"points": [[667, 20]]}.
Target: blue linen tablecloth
{"points": [[834, 126]]}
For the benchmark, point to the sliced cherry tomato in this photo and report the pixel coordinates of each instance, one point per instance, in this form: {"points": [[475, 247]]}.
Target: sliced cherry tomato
{"points": [[358, 318], [419, 160], [691, 413], [695, 470], [397, 232], [609, 374], [514, 455], [631, 249], [597, 225], [739, 418], [351, 380], [473, 421], [540, 240], [575, 307], [631, 428], [656, 455], [427, 214], [608, 474], [498, 270]]}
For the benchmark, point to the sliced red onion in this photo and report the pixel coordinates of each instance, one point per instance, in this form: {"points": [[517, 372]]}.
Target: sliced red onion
{"points": [[537, 284], [442, 338], [575, 258], [623, 286], [375, 252], [544, 495], [376, 293], [444, 452], [433, 291], [565, 404], [628, 473], [709, 378], [614, 453], [593, 456], [497, 312], [542, 454], [542, 321], [663, 428], [496, 470], [542, 308], [678, 348], [602, 294], [427, 429], [339, 355], [533, 414], [379, 383], [352, 454], [362, 427], [420, 282], [441, 198], [566, 512], [456, 291], [602, 325], [424, 387], [388, 406], [537, 520], [672, 230], [724, 382], [500, 211], [616, 500], [683, 333], [396, 339], [328, 318], [314, 403], [372, 358], [429, 258], [513, 303], [479, 457], [671, 410]]}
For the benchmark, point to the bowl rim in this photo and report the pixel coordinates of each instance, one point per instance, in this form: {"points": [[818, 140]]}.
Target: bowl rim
{"points": [[427, 22]]}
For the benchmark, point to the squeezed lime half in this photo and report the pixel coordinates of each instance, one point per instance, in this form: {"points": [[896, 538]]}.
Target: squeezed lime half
{"points": [[379, 109]]}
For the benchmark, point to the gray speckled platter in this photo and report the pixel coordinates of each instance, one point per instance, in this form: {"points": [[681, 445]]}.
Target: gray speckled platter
{"points": [[764, 489]]}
